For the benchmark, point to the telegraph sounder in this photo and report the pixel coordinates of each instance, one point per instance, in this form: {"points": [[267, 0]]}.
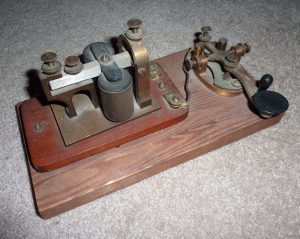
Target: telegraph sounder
{"points": [[112, 97]]}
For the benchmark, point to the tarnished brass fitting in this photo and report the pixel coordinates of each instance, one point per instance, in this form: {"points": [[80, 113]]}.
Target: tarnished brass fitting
{"points": [[240, 49], [135, 31], [205, 36], [50, 63]]}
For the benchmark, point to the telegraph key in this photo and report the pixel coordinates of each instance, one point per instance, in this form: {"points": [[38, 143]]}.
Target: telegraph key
{"points": [[220, 70]]}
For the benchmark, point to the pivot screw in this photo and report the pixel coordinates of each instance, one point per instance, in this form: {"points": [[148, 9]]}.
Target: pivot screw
{"points": [[174, 100], [134, 32], [221, 44], [134, 24], [73, 65], [49, 57], [50, 63], [105, 58], [205, 36], [247, 47], [72, 61]]}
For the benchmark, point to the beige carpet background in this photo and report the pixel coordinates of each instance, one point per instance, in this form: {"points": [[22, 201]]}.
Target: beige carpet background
{"points": [[248, 189]]}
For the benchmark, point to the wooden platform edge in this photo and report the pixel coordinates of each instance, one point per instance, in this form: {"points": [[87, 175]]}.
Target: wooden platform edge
{"points": [[229, 138]]}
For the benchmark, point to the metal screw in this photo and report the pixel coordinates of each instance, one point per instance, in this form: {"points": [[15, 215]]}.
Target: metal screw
{"points": [[49, 57], [134, 24], [105, 58], [50, 65], [232, 57], [152, 66], [247, 47], [142, 72], [235, 83], [175, 99], [39, 127], [221, 44], [73, 65], [134, 31], [161, 85], [72, 61], [205, 36], [205, 30]]}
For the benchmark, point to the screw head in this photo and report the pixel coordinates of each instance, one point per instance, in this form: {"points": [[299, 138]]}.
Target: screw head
{"points": [[236, 83], [248, 47], [161, 85], [39, 127], [134, 23], [49, 57], [206, 29], [175, 99], [232, 57], [105, 58], [152, 66], [72, 61]]}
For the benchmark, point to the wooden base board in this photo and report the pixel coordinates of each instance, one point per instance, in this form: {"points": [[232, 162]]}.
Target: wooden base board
{"points": [[213, 121]]}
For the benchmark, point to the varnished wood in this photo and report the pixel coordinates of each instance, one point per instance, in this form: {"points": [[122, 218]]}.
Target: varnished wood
{"points": [[213, 121]]}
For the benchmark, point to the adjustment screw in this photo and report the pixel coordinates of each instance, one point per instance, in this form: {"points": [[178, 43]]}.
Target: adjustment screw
{"points": [[205, 36], [73, 65], [50, 64], [72, 61], [134, 32], [134, 24], [49, 57], [247, 47], [206, 30], [221, 44]]}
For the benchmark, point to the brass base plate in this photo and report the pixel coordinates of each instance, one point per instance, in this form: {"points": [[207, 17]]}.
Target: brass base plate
{"points": [[211, 79], [90, 121]]}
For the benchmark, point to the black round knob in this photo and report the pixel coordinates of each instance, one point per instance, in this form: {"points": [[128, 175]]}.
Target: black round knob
{"points": [[265, 82], [269, 103]]}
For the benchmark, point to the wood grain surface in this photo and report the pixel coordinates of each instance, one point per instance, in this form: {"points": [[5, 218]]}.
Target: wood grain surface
{"points": [[213, 121]]}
